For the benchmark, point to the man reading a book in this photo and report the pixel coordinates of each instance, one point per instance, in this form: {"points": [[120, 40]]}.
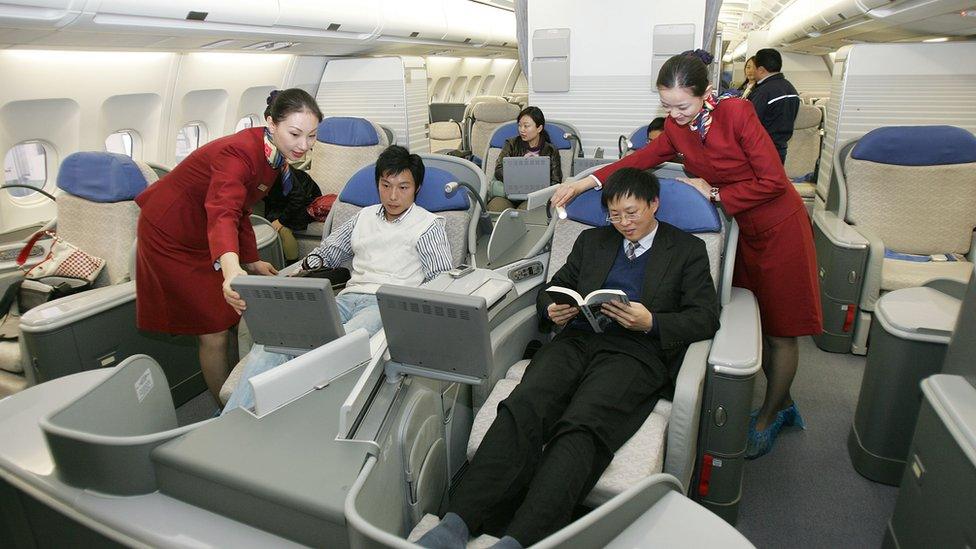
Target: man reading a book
{"points": [[585, 393]]}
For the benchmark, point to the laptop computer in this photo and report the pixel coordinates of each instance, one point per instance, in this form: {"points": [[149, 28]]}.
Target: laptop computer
{"points": [[524, 174], [289, 315]]}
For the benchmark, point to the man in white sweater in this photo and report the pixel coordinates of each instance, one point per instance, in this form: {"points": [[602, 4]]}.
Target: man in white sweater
{"points": [[393, 242]]}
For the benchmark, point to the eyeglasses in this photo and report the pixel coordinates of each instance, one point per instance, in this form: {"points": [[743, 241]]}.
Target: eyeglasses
{"points": [[629, 217]]}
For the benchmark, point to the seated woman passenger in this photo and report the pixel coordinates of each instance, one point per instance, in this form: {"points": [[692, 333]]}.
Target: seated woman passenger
{"points": [[394, 242], [532, 140], [585, 393]]}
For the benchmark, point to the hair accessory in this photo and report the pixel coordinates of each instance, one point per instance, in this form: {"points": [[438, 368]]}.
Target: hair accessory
{"points": [[272, 95], [702, 55]]}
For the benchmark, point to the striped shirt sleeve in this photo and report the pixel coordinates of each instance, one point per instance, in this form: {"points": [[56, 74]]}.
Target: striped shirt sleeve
{"points": [[434, 250], [337, 247]]}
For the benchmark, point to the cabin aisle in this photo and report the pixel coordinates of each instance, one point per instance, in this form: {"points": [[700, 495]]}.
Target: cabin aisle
{"points": [[805, 493]]}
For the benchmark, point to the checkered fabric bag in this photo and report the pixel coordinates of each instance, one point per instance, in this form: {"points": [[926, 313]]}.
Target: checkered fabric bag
{"points": [[64, 260]]}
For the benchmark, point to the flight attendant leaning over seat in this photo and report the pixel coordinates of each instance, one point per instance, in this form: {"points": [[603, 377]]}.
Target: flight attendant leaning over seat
{"points": [[194, 232], [737, 165]]}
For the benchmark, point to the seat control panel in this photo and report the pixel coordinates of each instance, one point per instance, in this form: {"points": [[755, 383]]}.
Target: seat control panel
{"points": [[526, 271]]}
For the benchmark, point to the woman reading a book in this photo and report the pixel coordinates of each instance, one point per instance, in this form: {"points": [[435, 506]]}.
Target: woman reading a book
{"points": [[737, 165]]}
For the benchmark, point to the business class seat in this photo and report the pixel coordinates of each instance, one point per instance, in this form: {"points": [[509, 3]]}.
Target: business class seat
{"points": [[803, 151], [668, 439], [636, 140], [96, 213], [468, 114], [459, 212], [904, 215], [344, 146], [567, 147], [486, 118], [445, 136]]}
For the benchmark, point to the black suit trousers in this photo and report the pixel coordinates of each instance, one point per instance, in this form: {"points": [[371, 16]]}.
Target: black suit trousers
{"points": [[581, 398]]}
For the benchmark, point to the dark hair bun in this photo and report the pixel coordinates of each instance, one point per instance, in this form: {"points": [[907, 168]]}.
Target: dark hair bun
{"points": [[702, 55], [272, 95]]}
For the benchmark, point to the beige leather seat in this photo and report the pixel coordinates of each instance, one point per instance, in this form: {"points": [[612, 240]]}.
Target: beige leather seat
{"points": [[486, 118], [96, 213], [909, 190], [803, 150], [445, 136], [667, 441]]}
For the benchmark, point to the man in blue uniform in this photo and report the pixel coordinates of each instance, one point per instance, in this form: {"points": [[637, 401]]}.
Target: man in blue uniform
{"points": [[775, 99]]}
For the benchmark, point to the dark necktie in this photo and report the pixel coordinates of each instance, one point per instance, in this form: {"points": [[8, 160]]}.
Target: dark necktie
{"points": [[631, 249]]}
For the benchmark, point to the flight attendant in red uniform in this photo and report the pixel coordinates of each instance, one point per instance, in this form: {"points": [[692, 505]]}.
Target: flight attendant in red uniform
{"points": [[737, 165], [194, 232]]}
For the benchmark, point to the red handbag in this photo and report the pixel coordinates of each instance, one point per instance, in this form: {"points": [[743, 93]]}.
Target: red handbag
{"points": [[320, 207]]}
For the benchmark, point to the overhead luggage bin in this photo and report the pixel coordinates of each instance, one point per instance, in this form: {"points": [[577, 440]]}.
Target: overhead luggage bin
{"points": [[50, 14], [421, 19], [141, 14], [340, 16]]}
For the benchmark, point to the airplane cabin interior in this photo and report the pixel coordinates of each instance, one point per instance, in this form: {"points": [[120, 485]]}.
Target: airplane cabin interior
{"points": [[112, 434]]}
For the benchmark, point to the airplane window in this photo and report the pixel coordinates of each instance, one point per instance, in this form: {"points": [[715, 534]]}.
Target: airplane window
{"points": [[486, 87], [120, 142], [189, 139], [472, 88], [25, 164], [248, 121]]}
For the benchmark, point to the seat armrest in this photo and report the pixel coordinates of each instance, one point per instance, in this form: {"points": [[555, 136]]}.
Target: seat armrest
{"points": [[291, 269], [839, 232], [73, 308], [508, 341], [682, 444], [737, 346]]}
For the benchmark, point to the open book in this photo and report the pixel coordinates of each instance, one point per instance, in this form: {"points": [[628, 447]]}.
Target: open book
{"points": [[589, 305]]}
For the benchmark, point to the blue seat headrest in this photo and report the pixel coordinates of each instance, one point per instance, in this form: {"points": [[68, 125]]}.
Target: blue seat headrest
{"points": [[681, 206], [101, 176], [510, 130], [348, 131], [917, 146], [639, 137], [361, 190]]}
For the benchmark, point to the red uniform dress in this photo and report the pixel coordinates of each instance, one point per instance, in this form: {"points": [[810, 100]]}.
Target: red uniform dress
{"points": [[775, 257], [191, 217]]}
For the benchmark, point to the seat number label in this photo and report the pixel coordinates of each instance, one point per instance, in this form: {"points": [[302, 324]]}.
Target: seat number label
{"points": [[143, 385]]}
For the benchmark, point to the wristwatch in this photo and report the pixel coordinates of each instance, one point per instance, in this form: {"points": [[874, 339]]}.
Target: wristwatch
{"points": [[713, 194]]}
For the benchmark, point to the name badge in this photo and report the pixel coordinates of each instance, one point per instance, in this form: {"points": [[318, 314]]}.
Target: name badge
{"points": [[262, 188]]}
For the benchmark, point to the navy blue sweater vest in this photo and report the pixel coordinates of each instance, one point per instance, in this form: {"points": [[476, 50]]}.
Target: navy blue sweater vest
{"points": [[627, 275]]}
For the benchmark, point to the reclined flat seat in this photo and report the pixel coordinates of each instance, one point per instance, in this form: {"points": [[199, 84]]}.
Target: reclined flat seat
{"points": [[567, 149], [487, 117], [908, 190], [96, 213], [803, 150], [457, 211], [645, 453]]}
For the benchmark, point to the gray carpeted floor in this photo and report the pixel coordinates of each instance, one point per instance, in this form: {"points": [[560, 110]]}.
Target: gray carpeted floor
{"points": [[198, 408], [805, 493]]}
